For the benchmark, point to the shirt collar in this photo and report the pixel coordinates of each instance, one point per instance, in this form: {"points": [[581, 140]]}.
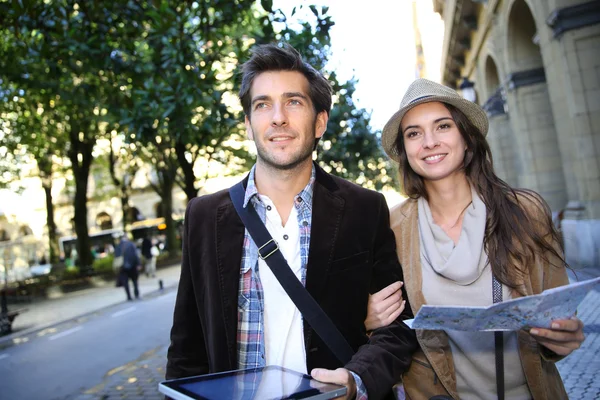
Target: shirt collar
{"points": [[305, 194]]}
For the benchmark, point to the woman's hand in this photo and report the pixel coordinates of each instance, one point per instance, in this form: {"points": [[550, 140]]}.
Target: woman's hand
{"points": [[385, 306], [565, 336]]}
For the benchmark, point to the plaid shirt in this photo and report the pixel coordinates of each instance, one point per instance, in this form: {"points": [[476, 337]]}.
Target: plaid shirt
{"points": [[250, 334]]}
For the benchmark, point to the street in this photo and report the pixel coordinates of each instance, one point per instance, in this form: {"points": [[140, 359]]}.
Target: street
{"points": [[67, 359]]}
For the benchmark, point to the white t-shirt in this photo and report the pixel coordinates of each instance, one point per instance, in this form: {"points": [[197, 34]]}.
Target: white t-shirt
{"points": [[284, 334]]}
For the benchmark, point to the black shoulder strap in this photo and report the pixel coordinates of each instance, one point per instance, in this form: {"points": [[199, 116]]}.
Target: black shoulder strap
{"points": [[268, 250]]}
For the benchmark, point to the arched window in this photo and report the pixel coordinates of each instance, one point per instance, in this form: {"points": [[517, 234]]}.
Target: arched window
{"points": [[135, 215], [25, 230], [523, 43], [104, 221]]}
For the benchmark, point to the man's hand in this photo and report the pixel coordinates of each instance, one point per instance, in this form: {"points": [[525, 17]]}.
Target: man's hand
{"points": [[565, 336], [384, 306], [340, 376]]}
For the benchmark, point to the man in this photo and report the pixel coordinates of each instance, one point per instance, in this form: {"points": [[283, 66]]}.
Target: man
{"points": [[231, 312], [145, 250], [131, 265], [149, 253]]}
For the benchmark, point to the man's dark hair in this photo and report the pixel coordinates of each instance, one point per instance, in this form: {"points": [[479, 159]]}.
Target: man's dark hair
{"points": [[272, 57]]}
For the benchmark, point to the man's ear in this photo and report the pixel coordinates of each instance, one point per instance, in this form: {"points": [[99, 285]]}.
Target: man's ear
{"points": [[248, 128], [321, 124]]}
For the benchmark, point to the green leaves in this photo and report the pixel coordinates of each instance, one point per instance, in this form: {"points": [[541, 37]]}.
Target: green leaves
{"points": [[267, 5], [161, 74]]}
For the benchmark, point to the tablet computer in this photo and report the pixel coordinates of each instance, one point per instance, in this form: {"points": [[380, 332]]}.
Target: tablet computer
{"points": [[265, 383]]}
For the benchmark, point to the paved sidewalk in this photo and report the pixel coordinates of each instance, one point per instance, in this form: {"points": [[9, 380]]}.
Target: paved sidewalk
{"points": [[580, 370], [137, 379]]}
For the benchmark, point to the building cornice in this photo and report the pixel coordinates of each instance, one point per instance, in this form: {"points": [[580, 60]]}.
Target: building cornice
{"points": [[449, 12], [519, 79], [455, 47], [480, 35], [564, 19]]}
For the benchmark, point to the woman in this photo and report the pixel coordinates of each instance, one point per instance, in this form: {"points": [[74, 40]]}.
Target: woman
{"points": [[462, 227]]}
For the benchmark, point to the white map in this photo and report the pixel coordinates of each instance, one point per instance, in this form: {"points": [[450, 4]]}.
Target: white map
{"points": [[511, 315]]}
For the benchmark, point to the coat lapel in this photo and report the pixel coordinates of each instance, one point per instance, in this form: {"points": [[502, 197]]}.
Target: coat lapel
{"points": [[229, 243], [435, 345], [327, 210]]}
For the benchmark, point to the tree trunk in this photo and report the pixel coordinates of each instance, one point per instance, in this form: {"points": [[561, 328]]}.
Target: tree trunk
{"points": [[85, 258], [80, 154], [167, 207], [121, 185], [126, 209], [45, 169], [187, 167], [52, 236]]}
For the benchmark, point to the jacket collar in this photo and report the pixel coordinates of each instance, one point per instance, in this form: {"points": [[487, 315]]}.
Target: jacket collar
{"points": [[435, 345], [251, 191]]}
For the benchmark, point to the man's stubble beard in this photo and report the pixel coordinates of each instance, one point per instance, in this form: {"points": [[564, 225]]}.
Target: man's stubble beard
{"points": [[271, 163]]}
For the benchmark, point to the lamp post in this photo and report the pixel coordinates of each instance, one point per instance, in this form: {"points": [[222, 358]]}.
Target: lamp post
{"points": [[467, 89]]}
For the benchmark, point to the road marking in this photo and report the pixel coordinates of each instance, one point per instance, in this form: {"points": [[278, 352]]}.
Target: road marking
{"points": [[65, 333], [123, 312], [3, 356]]}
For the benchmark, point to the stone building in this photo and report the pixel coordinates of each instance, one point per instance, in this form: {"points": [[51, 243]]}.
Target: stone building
{"points": [[535, 65]]}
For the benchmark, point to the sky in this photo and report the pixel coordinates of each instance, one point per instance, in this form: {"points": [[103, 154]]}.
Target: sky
{"points": [[376, 44]]}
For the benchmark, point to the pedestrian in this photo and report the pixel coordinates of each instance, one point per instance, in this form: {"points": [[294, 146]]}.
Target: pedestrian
{"points": [[146, 252], [231, 312], [464, 237], [150, 266], [74, 257], [131, 265]]}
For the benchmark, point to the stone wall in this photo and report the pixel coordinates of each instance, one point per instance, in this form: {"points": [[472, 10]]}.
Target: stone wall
{"points": [[536, 68]]}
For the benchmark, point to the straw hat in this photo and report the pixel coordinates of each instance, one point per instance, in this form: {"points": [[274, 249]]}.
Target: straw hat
{"points": [[425, 91]]}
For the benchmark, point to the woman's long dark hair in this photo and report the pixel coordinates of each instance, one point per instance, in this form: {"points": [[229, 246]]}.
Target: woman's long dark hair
{"points": [[513, 237]]}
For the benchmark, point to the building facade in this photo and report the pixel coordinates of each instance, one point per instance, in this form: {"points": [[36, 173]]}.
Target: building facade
{"points": [[535, 65]]}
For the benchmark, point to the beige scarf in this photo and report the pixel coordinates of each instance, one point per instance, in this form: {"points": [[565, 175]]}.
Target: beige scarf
{"points": [[464, 262], [461, 275]]}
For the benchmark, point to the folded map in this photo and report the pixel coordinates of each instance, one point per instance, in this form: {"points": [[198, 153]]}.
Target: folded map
{"points": [[511, 315]]}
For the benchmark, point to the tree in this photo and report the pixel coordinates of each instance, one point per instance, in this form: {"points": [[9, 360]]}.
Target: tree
{"points": [[349, 148], [176, 80], [32, 131], [123, 166], [75, 42], [160, 73]]}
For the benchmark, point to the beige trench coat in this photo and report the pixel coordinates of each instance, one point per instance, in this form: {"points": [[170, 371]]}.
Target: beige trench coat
{"points": [[432, 369]]}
